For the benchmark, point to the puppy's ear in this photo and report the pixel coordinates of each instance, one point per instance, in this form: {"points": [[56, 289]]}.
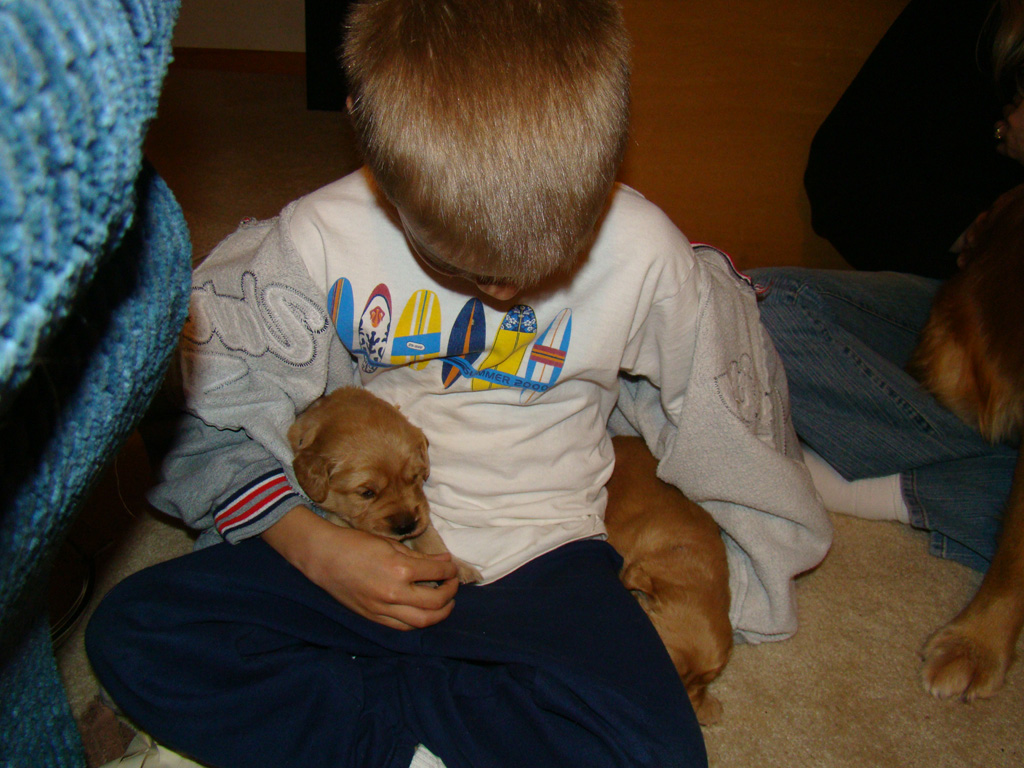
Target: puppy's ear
{"points": [[424, 454], [303, 431], [636, 579], [312, 473]]}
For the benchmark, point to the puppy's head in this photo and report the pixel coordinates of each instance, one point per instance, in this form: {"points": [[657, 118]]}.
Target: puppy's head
{"points": [[690, 611], [359, 458]]}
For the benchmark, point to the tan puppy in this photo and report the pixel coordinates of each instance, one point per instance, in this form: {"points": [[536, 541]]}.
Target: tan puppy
{"points": [[971, 356], [363, 463], [675, 565]]}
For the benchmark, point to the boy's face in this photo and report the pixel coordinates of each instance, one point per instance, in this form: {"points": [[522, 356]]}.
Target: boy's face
{"points": [[495, 287]]}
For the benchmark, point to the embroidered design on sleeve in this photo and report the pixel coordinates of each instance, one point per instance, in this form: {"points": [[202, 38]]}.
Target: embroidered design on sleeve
{"points": [[740, 390], [273, 319]]}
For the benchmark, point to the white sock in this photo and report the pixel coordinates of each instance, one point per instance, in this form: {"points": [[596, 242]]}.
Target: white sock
{"points": [[424, 758], [873, 498]]}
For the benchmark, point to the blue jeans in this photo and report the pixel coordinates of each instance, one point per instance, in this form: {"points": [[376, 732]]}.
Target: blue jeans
{"points": [[233, 657], [845, 339]]}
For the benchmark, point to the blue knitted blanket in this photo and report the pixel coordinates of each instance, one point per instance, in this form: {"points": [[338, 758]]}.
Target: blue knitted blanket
{"points": [[94, 278]]}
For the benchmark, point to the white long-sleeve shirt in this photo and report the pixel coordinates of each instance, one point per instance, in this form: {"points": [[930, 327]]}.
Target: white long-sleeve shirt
{"points": [[648, 335]]}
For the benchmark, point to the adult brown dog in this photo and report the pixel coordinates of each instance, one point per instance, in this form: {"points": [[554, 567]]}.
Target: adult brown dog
{"points": [[675, 564], [971, 356], [363, 463]]}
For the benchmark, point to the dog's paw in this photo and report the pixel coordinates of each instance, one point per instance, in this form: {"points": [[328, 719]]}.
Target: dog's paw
{"points": [[467, 573], [962, 663], [709, 711]]}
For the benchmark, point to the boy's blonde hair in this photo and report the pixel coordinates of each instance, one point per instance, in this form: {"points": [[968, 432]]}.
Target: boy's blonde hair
{"points": [[495, 126]]}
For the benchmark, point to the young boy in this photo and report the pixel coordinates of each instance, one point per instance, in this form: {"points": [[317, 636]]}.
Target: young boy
{"points": [[481, 274]]}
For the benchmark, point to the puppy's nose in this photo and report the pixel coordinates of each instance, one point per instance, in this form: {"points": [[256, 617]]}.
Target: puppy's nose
{"points": [[403, 523]]}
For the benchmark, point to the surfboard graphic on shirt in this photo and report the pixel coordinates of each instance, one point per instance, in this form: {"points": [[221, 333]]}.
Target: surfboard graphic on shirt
{"points": [[467, 339], [418, 333], [518, 328], [340, 307], [547, 355], [375, 328]]}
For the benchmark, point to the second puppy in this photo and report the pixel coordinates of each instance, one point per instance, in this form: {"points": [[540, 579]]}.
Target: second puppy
{"points": [[675, 564], [971, 357], [364, 463]]}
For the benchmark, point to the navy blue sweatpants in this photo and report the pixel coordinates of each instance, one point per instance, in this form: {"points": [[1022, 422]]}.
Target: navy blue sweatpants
{"points": [[232, 656]]}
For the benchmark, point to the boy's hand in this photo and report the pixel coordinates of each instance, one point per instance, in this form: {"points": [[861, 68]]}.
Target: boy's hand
{"points": [[378, 578]]}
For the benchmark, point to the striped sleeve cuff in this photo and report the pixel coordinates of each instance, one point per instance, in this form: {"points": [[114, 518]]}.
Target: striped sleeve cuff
{"points": [[249, 510]]}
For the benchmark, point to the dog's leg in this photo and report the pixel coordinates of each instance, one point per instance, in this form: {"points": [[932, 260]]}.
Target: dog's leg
{"points": [[707, 708], [430, 543], [970, 655]]}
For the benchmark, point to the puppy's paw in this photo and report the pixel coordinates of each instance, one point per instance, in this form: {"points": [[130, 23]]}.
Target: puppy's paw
{"points": [[709, 710], [466, 572], [960, 661]]}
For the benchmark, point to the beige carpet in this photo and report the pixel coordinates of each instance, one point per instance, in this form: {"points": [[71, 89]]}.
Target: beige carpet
{"points": [[727, 98], [844, 691]]}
